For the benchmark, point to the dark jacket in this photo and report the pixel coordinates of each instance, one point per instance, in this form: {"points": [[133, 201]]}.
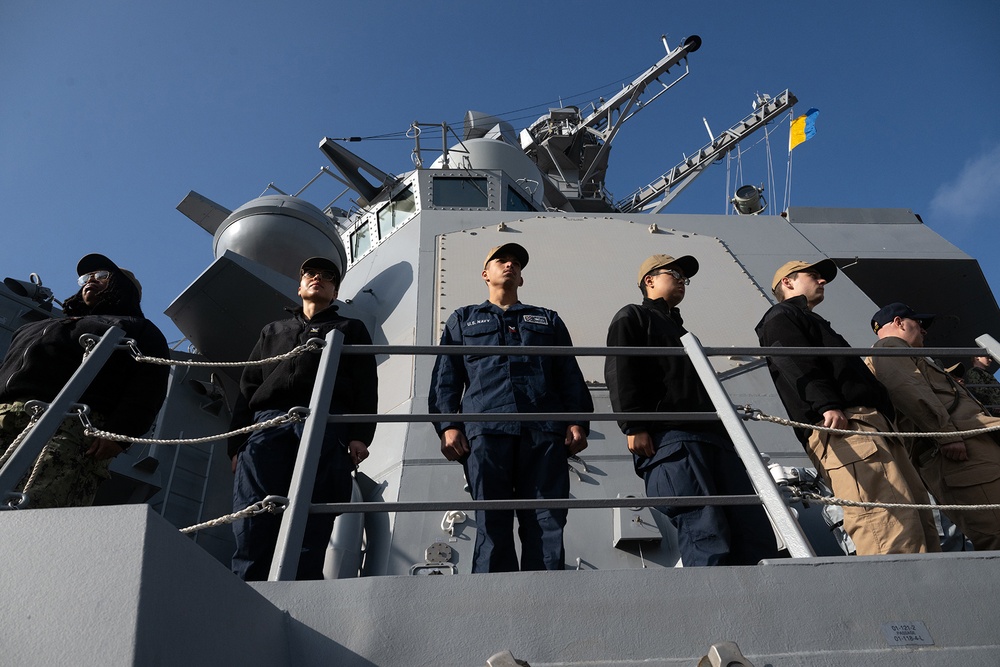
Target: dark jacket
{"points": [[809, 386], [655, 384], [507, 383], [127, 394], [285, 384]]}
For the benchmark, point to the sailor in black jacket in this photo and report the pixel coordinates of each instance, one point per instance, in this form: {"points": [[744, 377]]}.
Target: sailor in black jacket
{"points": [[263, 462], [124, 397], [681, 458], [840, 392]]}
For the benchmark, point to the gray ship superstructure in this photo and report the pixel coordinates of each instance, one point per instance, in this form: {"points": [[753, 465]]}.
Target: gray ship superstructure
{"points": [[118, 584]]}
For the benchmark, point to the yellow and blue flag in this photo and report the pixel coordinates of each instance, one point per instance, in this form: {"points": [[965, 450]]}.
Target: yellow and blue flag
{"points": [[803, 129]]}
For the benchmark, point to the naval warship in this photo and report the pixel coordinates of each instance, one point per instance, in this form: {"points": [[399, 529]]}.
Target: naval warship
{"points": [[119, 583]]}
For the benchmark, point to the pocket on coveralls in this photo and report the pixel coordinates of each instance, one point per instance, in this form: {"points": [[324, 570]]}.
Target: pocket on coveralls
{"points": [[968, 473], [843, 450]]}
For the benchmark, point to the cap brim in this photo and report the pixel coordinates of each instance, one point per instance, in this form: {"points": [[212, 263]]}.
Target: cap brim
{"points": [[321, 263], [515, 249], [687, 264], [94, 262]]}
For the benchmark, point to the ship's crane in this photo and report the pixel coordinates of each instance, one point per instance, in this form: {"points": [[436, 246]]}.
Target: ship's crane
{"points": [[674, 181], [572, 150]]}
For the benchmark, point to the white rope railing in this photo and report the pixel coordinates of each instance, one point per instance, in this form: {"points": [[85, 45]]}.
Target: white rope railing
{"points": [[820, 499], [270, 504], [756, 415], [292, 416], [311, 345]]}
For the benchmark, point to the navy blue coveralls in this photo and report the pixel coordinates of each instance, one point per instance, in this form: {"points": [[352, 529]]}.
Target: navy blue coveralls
{"points": [[691, 458], [524, 460]]}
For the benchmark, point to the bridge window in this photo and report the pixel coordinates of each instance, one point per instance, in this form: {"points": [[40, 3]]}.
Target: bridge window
{"points": [[515, 202], [460, 192], [396, 212], [361, 241]]}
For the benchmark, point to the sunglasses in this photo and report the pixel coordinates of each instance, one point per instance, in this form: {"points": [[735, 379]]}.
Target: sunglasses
{"points": [[99, 276], [328, 276]]}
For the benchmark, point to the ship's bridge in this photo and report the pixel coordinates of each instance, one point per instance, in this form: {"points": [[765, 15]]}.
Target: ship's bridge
{"points": [[475, 175]]}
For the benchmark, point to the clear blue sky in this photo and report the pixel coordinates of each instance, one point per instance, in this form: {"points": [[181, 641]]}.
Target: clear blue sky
{"points": [[111, 111]]}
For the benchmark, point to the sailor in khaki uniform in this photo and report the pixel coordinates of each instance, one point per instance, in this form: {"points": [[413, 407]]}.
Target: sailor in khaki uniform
{"points": [[959, 471], [839, 392]]}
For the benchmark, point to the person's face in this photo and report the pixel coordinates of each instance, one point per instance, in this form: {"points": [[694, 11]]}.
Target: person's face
{"points": [[503, 270], [94, 283], [912, 331], [318, 285], [809, 284], [667, 283]]}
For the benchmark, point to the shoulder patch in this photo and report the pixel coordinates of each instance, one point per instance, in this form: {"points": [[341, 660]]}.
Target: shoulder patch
{"points": [[536, 319]]}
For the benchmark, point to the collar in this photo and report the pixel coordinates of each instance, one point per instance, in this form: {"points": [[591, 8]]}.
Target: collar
{"points": [[662, 306], [800, 302], [325, 314]]}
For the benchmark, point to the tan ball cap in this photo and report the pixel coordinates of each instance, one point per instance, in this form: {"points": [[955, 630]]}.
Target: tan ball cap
{"points": [[824, 267], [687, 264]]}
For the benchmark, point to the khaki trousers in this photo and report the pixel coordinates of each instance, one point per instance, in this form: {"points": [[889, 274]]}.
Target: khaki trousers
{"points": [[972, 482], [867, 468]]}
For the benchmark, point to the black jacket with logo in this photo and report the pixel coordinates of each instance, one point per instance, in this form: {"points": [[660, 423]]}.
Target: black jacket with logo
{"points": [[288, 383]]}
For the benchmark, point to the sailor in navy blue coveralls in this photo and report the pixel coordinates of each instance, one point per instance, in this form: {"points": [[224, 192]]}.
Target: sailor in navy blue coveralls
{"points": [[263, 461], [505, 460]]}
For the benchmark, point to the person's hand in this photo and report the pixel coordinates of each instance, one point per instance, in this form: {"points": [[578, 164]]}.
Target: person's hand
{"points": [[454, 445], [955, 451], [576, 439], [835, 419], [102, 448], [641, 443], [358, 451]]}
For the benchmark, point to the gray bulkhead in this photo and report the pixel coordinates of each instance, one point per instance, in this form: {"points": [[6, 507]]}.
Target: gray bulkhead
{"points": [[584, 266]]}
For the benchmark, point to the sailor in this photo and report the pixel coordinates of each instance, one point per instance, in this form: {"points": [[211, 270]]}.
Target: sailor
{"points": [[983, 384], [679, 458], [505, 460], [123, 398], [839, 392], [957, 470], [263, 462]]}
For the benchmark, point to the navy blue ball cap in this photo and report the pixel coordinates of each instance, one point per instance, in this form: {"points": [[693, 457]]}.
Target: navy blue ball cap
{"points": [[888, 313]]}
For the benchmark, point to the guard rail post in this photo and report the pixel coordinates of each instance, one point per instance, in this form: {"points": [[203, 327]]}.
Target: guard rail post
{"points": [[46, 426], [788, 528], [285, 564]]}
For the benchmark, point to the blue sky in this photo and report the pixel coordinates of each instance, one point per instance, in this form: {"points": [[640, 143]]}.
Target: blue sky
{"points": [[111, 111]]}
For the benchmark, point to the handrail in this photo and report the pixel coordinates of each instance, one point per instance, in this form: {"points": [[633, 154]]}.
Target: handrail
{"points": [[526, 504], [565, 351], [285, 561]]}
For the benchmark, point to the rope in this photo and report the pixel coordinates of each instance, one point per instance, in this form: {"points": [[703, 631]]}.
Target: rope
{"points": [[824, 500], [271, 504], [311, 345], [35, 416], [757, 415], [35, 469], [294, 415]]}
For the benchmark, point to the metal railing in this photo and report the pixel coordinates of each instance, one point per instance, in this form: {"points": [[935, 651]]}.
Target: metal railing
{"points": [[292, 529], [286, 559]]}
